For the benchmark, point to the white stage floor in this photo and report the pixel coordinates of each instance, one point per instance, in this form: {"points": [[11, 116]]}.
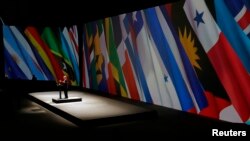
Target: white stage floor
{"points": [[93, 109]]}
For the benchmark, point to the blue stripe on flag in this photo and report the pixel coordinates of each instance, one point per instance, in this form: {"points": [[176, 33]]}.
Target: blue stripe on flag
{"points": [[11, 68], [135, 61], [168, 59], [11, 45], [42, 64], [69, 55], [139, 72], [29, 60], [237, 38], [196, 86]]}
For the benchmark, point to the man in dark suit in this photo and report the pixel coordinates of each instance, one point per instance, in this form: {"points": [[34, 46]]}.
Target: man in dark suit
{"points": [[65, 85]]}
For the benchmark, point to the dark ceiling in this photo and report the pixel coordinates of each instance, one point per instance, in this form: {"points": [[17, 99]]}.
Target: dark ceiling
{"points": [[69, 11]]}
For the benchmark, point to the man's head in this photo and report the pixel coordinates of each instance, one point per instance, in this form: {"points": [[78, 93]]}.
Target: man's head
{"points": [[65, 77]]}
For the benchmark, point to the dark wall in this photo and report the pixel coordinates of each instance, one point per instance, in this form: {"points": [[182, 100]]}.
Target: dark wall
{"points": [[70, 12]]}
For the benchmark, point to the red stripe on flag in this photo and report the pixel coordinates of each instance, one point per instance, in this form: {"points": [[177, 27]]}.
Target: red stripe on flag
{"points": [[235, 79], [169, 9], [192, 110], [211, 110], [245, 20], [111, 81], [56, 67], [130, 78], [215, 105], [221, 103]]}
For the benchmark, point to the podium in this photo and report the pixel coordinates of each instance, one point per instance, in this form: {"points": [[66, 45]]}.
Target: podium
{"points": [[66, 100]]}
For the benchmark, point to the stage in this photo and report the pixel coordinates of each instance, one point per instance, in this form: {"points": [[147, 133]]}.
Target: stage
{"points": [[93, 110], [35, 115]]}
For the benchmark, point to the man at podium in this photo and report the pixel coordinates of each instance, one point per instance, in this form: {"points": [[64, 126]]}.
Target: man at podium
{"points": [[64, 84]]}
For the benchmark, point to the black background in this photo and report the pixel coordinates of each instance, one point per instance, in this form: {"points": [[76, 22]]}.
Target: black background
{"points": [[50, 12]]}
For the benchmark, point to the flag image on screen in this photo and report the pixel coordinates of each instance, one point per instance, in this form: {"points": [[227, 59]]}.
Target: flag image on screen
{"points": [[191, 56], [44, 54], [174, 55]]}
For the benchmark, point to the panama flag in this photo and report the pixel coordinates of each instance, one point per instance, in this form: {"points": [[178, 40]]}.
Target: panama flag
{"points": [[227, 65]]}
